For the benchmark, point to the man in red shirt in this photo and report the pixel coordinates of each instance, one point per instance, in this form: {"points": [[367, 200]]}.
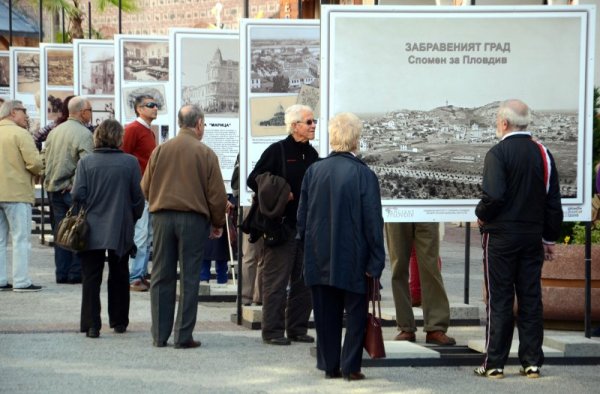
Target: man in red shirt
{"points": [[139, 140]]}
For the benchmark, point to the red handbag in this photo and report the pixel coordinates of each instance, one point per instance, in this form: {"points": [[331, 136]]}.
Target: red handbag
{"points": [[373, 343]]}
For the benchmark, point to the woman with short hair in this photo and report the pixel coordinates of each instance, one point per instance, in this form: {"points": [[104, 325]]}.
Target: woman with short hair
{"points": [[340, 222], [107, 186]]}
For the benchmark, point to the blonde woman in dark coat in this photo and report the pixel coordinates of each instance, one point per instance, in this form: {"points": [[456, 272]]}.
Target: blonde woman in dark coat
{"points": [[107, 184]]}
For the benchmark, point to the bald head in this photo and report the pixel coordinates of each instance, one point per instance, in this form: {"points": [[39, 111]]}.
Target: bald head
{"points": [[192, 117]]}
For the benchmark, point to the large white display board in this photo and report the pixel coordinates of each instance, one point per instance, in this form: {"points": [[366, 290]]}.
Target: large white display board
{"points": [[95, 75], [204, 70], [142, 67], [279, 66], [56, 79], [428, 98], [4, 75]]}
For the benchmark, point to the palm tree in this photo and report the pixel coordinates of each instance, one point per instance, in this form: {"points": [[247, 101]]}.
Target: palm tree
{"points": [[73, 10]]}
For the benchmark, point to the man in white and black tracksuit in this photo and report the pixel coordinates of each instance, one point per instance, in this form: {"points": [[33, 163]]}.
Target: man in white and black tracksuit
{"points": [[520, 215]]}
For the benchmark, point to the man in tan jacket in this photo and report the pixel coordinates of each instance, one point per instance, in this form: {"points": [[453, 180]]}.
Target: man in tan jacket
{"points": [[186, 195], [65, 146], [19, 163]]}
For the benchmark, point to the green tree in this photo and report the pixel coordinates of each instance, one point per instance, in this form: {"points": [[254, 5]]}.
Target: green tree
{"points": [[75, 13]]}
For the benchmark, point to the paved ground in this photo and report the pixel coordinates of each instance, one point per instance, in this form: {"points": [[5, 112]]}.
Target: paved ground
{"points": [[41, 350]]}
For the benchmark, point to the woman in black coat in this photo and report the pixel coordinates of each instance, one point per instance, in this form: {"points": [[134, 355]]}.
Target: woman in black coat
{"points": [[107, 184], [340, 222]]}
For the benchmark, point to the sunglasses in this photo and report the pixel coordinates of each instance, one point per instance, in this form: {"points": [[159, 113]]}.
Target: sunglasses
{"points": [[21, 109], [150, 105], [309, 122]]}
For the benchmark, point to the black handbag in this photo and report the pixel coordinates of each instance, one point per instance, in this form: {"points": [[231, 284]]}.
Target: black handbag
{"points": [[73, 231]]}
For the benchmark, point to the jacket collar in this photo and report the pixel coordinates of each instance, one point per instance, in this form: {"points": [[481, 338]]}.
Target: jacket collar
{"points": [[188, 131], [517, 133], [349, 155], [107, 150]]}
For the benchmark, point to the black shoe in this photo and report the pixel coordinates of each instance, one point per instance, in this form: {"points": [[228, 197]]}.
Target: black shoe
{"points": [[92, 333], [6, 287], [159, 344], [188, 345], [333, 375], [302, 338], [74, 281], [29, 288], [120, 329], [283, 341]]}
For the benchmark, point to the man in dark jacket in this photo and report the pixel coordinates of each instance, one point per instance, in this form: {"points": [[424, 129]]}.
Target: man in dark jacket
{"points": [[519, 215], [289, 159]]}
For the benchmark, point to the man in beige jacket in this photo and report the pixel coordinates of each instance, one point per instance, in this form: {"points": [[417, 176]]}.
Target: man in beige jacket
{"points": [[19, 164], [65, 146], [186, 194]]}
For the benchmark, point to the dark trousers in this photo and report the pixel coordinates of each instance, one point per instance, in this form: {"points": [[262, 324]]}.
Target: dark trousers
{"points": [[178, 236], [284, 310], [68, 265], [92, 263], [513, 264], [329, 304]]}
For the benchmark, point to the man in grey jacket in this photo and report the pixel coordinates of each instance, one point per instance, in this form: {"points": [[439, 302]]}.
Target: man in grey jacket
{"points": [[65, 146]]}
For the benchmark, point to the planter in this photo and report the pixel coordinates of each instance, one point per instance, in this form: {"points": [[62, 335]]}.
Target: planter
{"points": [[563, 284]]}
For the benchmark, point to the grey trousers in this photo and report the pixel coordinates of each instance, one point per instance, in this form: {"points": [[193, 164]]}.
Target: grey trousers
{"points": [[425, 236], [252, 266], [285, 310], [178, 236]]}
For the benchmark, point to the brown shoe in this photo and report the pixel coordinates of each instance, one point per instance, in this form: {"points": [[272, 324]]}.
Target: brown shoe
{"points": [[405, 336], [354, 376], [439, 338], [191, 344], [138, 285]]}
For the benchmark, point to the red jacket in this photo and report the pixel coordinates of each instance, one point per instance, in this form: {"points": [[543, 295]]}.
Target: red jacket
{"points": [[140, 142]]}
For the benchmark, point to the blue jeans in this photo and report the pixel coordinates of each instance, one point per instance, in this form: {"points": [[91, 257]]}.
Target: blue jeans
{"points": [[138, 265], [68, 265], [15, 216], [221, 268]]}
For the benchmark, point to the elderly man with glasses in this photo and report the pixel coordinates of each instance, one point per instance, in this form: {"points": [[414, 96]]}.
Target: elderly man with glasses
{"points": [[285, 163], [139, 140], [19, 164], [65, 146]]}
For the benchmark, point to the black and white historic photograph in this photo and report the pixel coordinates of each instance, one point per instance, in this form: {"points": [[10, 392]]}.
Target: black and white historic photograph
{"points": [[439, 153], [267, 115], [96, 69], [145, 61], [103, 108], [55, 103], [28, 72], [282, 60], [210, 74], [130, 93], [59, 64], [429, 110], [4, 72]]}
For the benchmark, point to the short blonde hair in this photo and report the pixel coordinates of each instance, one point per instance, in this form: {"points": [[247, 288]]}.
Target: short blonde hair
{"points": [[344, 132], [108, 135]]}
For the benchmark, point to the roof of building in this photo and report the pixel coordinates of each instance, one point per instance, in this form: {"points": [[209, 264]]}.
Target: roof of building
{"points": [[21, 24]]}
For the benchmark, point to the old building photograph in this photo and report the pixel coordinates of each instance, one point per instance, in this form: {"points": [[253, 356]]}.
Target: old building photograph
{"points": [[210, 75], [145, 61], [267, 115], [28, 72], [4, 71], [59, 67], [97, 70]]}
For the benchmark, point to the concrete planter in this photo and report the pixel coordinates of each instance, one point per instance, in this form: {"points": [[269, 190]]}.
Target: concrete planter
{"points": [[563, 282]]}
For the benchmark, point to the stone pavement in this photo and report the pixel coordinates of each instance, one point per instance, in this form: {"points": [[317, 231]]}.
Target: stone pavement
{"points": [[41, 350]]}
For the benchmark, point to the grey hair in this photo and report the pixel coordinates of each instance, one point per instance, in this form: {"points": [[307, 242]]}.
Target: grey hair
{"points": [[109, 134], [344, 132], [515, 113], [189, 115], [139, 100], [8, 106], [294, 114], [76, 104]]}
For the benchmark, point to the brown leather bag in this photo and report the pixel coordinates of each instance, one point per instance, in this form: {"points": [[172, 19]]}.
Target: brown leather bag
{"points": [[73, 231], [373, 343]]}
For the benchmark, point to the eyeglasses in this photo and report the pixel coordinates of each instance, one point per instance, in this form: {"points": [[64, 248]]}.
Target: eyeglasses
{"points": [[309, 122], [21, 109], [87, 109], [150, 105]]}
